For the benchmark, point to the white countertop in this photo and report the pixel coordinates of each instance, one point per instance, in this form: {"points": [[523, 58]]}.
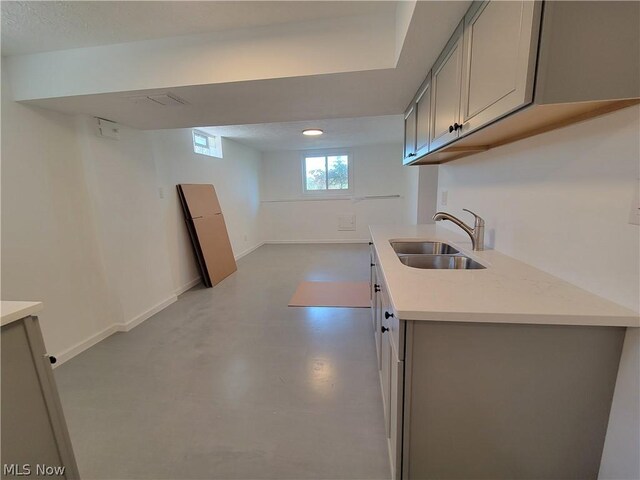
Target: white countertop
{"points": [[12, 311], [506, 291]]}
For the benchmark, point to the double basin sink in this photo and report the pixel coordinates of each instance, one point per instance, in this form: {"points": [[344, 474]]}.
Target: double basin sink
{"points": [[433, 255]]}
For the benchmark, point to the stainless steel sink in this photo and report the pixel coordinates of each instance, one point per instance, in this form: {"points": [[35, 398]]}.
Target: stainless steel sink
{"points": [[445, 262], [429, 248]]}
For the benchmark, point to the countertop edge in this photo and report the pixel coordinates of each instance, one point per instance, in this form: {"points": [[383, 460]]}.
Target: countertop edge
{"points": [[10, 311], [618, 319]]}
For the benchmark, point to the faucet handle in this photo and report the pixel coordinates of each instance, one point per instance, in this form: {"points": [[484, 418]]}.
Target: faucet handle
{"points": [[479, 221]]}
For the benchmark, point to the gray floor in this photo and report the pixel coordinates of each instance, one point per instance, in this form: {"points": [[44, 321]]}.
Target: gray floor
{"points": [[229, 382]]}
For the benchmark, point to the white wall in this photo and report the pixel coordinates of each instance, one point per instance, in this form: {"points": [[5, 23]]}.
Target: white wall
{"points": [[427, 192], [349, 44], [287, 215], [84, 227], [50, 249], [122, 184], [561, 201], [236, 180]]}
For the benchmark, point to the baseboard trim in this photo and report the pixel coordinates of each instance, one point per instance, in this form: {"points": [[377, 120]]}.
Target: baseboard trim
{"points": [[248, 251], [285, 242], [188, 286], [80, 347], [134, 322]]}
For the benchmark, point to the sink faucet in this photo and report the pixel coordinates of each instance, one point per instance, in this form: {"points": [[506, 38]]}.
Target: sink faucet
{"points": [[476, 233]]}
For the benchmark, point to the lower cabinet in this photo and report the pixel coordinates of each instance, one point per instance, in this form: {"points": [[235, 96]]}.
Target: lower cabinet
{"points": [[493, 400], [391, 374], [35, 439]]}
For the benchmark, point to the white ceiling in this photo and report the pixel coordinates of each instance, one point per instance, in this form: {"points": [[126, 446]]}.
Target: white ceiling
{"points": [[41, 26], [343, 132], [354, 92]]}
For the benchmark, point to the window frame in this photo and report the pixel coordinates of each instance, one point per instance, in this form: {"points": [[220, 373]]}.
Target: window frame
{"points": [[327, 153], [214, 149]]}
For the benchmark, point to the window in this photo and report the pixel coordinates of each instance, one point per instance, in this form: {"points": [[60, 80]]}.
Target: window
{"points": [[326, 173], [206, 144]]}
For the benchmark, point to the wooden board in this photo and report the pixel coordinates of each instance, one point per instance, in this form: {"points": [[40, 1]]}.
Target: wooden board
{"points": [[208, 231], [201, 200], [197, 252], [331, 294], [215, 246]]}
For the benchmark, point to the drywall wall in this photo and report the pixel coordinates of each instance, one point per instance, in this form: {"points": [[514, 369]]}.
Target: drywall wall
{"points": [[122, 184], [348, 44], [427, 192], [561, 202], [50, 249], [236, 180], [289, 215]]}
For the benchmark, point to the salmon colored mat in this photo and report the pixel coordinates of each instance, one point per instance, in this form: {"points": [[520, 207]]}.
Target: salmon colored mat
{"points": [[331, 294]]}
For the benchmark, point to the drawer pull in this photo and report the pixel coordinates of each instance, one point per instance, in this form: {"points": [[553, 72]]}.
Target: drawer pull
{"points": [[384, 329], [376, 288], [388, 315]]}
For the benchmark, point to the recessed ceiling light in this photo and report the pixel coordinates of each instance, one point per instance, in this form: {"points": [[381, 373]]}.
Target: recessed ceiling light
{"points": [[312, 132]]}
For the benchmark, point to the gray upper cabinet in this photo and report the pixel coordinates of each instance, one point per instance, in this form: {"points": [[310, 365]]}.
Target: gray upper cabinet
{"points": [[445, 95], [423, 117], [410, 134], [500, 40], [514, 69]]}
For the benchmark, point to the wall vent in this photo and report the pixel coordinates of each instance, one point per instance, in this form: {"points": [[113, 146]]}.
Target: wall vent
{"points": [[159, 99]]}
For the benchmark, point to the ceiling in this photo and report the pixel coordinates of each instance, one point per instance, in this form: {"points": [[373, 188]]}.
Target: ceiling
{"points": [[42, 26], [343, 132], [274, 95]]}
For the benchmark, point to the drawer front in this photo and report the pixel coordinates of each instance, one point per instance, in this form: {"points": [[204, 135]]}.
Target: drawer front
{"points": [[391, 321]]}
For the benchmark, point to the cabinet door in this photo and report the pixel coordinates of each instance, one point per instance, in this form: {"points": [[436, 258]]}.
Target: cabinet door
{"points": [[385, 379], [423, 117], [377, 326], [372, 285], [500, 45], [396, 409], [409, 135], [445, 96], [377, 315]]}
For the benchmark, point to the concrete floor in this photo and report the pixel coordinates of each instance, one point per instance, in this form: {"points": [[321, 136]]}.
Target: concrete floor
{"points": [[231, 383]]}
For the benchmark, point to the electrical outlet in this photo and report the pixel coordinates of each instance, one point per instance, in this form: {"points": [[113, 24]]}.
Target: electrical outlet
{"points": [[444, 198], [346, 223], [161, 192]]}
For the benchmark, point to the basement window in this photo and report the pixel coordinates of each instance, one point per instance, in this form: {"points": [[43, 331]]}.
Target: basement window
{"points": [[206, 144], [327, 173]]}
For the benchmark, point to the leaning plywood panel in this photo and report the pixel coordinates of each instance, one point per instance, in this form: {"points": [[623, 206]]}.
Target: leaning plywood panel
{"points": [[216, 249], [197, 252], [201, 200]]}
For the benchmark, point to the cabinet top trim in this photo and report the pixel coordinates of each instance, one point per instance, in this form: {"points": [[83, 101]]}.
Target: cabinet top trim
{"points": [[12, 311]]}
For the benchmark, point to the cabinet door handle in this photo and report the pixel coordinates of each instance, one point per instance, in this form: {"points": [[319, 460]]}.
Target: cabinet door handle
{"points": [[411, 155], [376, 288], [384, 329], [370, 243], [388, 315], [373, 264], [451, 129], [457, 126], [51, 358]]}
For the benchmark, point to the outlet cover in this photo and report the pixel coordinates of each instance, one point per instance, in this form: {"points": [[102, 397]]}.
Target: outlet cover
{"points": [[346, 222]]}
